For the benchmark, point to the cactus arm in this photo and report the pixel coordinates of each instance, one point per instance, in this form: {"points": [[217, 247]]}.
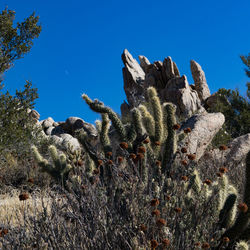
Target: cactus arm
{"points": [[170, 146], [104, 137], [59, 170], [243, 219], [148, 120], [137, 121], [100, 108], [157, 113], [224, 217]]}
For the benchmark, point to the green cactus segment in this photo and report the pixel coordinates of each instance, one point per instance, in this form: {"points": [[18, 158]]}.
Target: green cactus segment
{"points": [[104, 137], [170, 146], [165, 122], [194, 183], [157, 113], [232, 213], [223, 192], [148, 121], [225, 219], [59, 170], [243, 219], [137, 121], [100, 108], [131, 134], [98, 125], [89, 165]]}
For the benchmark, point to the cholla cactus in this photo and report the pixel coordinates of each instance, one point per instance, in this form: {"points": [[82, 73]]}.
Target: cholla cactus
{"points": [[240, 228], [139, 192], [59, 170], [242, 245], [147, 120]]}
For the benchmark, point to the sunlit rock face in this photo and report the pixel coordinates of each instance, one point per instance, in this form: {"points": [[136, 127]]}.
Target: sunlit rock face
{"points": [[170, 85]]}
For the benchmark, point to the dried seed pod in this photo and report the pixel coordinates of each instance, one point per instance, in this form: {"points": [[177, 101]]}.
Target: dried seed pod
{"points": [[178, 210], [197, 244], [31, 180], [168, 197], [124, 145], [146, 141], [156, 212], [225, 239], [132, 156], [158, 163], [187, 130], [219, 174], [96, 171], [154, 244], [120, 159], [140, 156], [143, 228], [184, 150], [100, 162], [184, 162], [191, 157], [23, 196], [142, 149], [110, 162], [176, 126], [165, 242], [154, 202], [80, 163], [205, 245], [243, 207], [109, 154], [223, 147], [161, 222], [208, 182], [184, 178], [223, 170]]}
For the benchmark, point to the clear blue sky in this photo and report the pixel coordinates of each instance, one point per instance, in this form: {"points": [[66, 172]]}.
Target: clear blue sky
{"points": [[80, 46]]}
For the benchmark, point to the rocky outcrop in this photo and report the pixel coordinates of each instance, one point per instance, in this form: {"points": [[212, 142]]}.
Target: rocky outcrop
{"points": [[238, 150], [185, 98], [165, 77], [62, 133], [200, 81], [203, 129], [134, 78]]}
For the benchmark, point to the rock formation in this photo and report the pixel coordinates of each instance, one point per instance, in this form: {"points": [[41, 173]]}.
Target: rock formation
{"points": [[171, 87], [203, 129], [166, 78]]}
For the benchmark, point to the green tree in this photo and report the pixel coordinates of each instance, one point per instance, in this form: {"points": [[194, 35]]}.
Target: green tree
{"points": [[235, 108], [15, 42], [16, 126], [246, 61]]}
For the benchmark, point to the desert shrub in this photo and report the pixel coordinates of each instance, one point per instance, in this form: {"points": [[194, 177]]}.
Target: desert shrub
{"points": [[140, 190]]}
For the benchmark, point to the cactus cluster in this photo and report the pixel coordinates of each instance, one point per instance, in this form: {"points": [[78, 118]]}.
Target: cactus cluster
{"points": [[59, 169], [163, 202]]}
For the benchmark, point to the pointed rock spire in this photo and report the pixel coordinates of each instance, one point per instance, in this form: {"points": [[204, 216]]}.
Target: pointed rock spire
{"points": [[199, 81]]}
